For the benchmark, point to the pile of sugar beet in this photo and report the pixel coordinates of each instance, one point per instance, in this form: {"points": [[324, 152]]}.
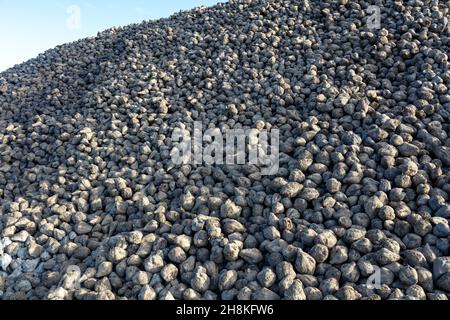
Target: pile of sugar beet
{"points": [[93, 207]]}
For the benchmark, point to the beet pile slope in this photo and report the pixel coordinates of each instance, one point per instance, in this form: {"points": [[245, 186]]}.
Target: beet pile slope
{"points": [[93, 207]]}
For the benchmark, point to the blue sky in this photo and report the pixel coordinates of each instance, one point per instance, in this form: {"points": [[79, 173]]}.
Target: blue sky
{"points": [[29, 27]]}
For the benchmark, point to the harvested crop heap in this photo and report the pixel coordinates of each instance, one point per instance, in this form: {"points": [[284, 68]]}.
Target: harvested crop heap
{"points": [[92, 206]]}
